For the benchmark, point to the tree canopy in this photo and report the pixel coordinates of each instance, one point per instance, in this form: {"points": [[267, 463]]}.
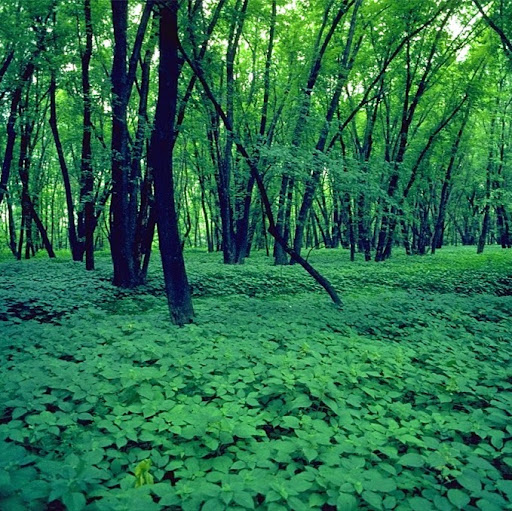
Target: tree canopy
{"points": [[363, 124]]}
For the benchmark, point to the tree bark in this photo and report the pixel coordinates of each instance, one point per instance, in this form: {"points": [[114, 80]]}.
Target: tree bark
{"points": [[11, 131], [161, 161], [86, 218], [123, 217], [73, 240]]}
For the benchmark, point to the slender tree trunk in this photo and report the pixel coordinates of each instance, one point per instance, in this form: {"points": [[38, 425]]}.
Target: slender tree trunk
{"points": [[5, 64], [76, 251], [445, 191], [319, 278], [503, 227], [86, 224], [42, 231], [161, 161], [486, 221], [225, 168], [12, 227], [11, 131], [287, 181], [121, 234], [314, 178], [145, 227], [123, 214]]}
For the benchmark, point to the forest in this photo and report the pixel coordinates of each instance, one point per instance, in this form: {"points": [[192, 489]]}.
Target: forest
{"points": [[255, 254]]}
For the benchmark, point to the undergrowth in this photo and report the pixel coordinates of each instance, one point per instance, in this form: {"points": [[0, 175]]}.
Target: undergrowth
{"points": [[272, 400]]}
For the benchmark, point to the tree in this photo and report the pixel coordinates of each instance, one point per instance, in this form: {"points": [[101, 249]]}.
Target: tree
{"points": [[161, 162], [124, 200]]}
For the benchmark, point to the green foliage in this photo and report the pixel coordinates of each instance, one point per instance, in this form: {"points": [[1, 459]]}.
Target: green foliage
{"points": [[272, 400], [142, 475]]}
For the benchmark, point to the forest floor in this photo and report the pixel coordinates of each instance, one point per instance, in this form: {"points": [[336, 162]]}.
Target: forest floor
{"points": [[272, 399]]}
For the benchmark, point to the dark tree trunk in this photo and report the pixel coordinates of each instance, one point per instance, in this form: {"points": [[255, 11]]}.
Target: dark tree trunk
{"points": [[12, 227], [503, 227], [161, 161], [280, 257], [501, 213], [122, 229], [145, 224], [5, 64], [11, 131], [204, 206], [23, 168], [486, 221], [242, 225], [76, 251], [124, 192], [42, 230], [86, 217]]}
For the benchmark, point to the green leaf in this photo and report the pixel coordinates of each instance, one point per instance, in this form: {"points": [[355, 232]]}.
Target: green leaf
{"points": [[316, 500], [310, 453], [487, 505], [374, 499], [346, 502], [497, 439], [412, 459], [380, 485], [458, 498], [35, 490], [74, 501], [506, 487], [389, 502], [420, 504], [296, 504], [301, 401], [245, 431], [470, 480], [244, 499], [5, 483], [213, 505], [289, 421], [300, 484]]}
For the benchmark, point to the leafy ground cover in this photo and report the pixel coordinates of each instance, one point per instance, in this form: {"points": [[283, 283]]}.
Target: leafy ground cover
{"points": [[272, 400]]}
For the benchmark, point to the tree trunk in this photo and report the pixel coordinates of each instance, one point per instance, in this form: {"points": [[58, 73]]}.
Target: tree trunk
{"points": [[445, 191], [319, 278], [121, 232], [314, 178], [123, 214], [161, 161], [486, 222], [76, 251], [11, 131], [12, 227], [42, 230], [86, 218]]}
